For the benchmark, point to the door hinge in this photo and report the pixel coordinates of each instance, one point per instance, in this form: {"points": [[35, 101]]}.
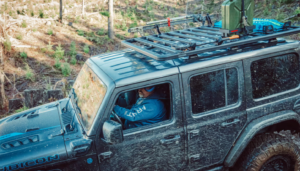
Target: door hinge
{"points": [[104, 156], [193, 133]]}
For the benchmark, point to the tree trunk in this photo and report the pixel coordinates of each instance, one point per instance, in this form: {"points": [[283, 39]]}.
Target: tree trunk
{"points": [[82, 8], [3, 100], [60, 11], [111, 34]]}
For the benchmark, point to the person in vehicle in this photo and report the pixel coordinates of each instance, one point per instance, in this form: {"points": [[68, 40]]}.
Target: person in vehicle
{"points": [[147, 110]]}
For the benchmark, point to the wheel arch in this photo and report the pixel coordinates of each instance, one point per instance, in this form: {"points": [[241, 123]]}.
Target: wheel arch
{"points": [[272, 121]]}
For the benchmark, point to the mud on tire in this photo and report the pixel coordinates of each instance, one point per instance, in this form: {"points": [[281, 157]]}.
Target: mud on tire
{"points": [[270, 152]]}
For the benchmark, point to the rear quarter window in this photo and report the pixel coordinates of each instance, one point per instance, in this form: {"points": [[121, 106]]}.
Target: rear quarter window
{"points": [[274, 75]]}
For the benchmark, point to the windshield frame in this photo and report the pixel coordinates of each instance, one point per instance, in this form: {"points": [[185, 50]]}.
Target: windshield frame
{"points": [[109, 87]]}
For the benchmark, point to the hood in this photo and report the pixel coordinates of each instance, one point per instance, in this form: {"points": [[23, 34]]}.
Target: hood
{"points": [[32, 136], [39, 118]]}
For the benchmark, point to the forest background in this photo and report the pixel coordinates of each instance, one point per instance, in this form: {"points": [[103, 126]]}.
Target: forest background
{"points": [[37, 49]]}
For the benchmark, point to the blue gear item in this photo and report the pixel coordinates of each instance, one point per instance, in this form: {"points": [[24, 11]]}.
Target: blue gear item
{"points": [[145, 111]]}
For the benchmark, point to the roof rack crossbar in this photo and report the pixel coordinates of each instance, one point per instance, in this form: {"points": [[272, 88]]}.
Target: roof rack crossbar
{"points": [[151, 44], [205, 31], [178, 39], [208, 28], [170, 43], [190, 37], [150, 53], [201, 34]]}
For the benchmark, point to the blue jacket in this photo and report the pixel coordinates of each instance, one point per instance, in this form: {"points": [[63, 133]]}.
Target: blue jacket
{"points": [[145, 111]]}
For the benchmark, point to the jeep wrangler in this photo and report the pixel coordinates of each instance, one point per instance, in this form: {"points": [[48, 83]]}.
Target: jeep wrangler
{"points": [[225, 100]]}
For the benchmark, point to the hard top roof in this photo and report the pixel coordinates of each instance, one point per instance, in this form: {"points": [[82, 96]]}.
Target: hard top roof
{"points": [[128, 66]]}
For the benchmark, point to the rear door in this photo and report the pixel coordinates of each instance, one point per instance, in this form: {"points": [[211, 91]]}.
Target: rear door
{"points": [[215, 112], [272, 83]]}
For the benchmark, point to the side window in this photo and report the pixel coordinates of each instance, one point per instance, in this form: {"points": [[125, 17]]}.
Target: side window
{"points": [[144, 106], [274, 75], [214, 90]]}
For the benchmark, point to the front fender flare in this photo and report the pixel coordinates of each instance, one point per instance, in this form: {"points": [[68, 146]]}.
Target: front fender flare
{"points": [[255, 126]]}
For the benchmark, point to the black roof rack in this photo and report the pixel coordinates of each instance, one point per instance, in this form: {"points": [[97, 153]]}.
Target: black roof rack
{"points": [[193, 41]]}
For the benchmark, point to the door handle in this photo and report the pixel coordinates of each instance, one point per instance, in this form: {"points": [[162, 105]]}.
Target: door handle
{"points": [[170, 140], [193, 133], [224, 124], [104, 156]]}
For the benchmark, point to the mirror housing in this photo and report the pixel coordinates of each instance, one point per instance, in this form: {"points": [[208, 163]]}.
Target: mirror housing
{"points": [[112, 132]]}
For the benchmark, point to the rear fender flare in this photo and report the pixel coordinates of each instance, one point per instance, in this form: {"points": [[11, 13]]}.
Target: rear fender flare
{"points": [[253, 128]]}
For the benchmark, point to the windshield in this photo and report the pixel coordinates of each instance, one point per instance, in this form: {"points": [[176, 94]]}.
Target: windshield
{"points": [[90, 92]]}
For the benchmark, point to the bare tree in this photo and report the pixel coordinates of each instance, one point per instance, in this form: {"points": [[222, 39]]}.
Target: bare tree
{"points": [[82, 8], [111, 34], [3, 99], [60, 10]]}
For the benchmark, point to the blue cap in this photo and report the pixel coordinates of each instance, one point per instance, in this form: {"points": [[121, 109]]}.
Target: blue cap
{"points": [[150, 89]]}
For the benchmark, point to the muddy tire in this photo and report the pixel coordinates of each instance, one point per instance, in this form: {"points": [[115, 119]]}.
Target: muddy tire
{"points": [[270, 152]]}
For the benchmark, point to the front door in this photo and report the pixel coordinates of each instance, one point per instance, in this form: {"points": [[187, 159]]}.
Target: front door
{"points": [[159, 146], [215, 112]]}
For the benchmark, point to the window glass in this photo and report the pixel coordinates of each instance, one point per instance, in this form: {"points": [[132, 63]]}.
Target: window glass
{"points": [[90, 92], [209, 91], [144, 106], [232, 86], [274, 75]]}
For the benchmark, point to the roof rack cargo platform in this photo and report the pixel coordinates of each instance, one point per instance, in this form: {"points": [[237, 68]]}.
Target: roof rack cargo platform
{"points": [[193, 41]]}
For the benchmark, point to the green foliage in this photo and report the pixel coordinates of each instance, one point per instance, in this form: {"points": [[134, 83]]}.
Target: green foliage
{"points": [[101, 32], [29, 74], [280, 16], [32, 13], [50, 32], [120, 37], [105, 13], [59, 53], [23, 55], [151, 15], [287, 1], [43, 50], [192, 24], [66, 69], [19, 36], [21, 109], [86, 49], [21, 12], [34, 29], [266, 12], [123, 26], [135, 35], [127, 34], [117, 26], [166, 29], [90, 34], [133, 24], [297, 11], [49, 47], [41, 14], [24, 24], [57, 64], [73, 49], [73, 60], [7, 45], [80, 32]]}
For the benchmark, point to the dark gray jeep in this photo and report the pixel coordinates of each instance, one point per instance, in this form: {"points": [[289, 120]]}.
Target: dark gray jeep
{"points": [[224, 100]]}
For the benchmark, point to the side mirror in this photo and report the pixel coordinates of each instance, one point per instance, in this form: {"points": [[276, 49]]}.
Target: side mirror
{"points": [[112, 132]]}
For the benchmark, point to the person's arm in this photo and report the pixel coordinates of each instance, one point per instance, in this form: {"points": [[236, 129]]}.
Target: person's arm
{"points": [[141, 112]]}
